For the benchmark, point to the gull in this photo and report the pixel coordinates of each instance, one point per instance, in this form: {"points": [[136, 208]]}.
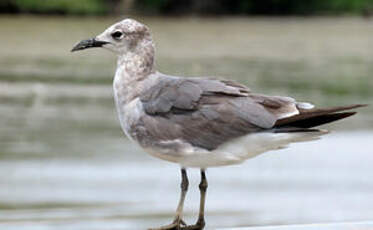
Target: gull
{"points": [[199, 122]]}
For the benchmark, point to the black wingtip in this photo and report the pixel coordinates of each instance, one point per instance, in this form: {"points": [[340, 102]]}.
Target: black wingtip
{"points": [[318, 120], [360, 105]]}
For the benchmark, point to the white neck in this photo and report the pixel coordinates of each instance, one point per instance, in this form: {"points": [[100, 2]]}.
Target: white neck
{"points": [[132, 68], [138, 61]]}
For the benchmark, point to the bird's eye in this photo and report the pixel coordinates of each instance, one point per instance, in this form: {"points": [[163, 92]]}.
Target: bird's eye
{"points": [[117, 35]]}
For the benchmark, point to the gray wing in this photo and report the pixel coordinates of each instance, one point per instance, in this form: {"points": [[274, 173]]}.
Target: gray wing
{"points": [[206, 113]]}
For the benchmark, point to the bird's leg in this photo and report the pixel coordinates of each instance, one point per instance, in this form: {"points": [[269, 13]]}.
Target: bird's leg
{"points": [[178, 221], [203, 188], [184, 188], [200, 224]]}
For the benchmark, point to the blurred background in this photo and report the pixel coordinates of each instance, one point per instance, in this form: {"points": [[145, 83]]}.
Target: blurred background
{"points": [[65, 164]]}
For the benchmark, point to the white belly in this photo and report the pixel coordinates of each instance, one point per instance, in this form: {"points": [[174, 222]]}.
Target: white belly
{"points": [[235, 151]]}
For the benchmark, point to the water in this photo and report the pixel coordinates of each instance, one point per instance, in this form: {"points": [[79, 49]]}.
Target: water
{"points": [[64, 163]]}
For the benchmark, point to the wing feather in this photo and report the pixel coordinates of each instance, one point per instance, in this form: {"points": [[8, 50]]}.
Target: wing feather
{"points": [[206, 113]]}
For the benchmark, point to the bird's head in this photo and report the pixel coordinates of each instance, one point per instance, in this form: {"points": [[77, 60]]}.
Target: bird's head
{"points": [[120, 38]]}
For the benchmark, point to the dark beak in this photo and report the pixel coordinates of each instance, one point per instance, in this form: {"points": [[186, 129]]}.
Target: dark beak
{"points": [[89, 43]]}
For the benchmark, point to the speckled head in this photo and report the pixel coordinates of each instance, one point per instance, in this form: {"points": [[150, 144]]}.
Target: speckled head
{"points": [[122, 37]]}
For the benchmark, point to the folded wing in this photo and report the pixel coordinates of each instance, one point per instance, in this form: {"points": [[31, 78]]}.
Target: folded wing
{"points": [[206, 113]]}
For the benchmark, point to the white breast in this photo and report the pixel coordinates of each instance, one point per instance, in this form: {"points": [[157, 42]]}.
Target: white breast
{"points": [[129, 111]]}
